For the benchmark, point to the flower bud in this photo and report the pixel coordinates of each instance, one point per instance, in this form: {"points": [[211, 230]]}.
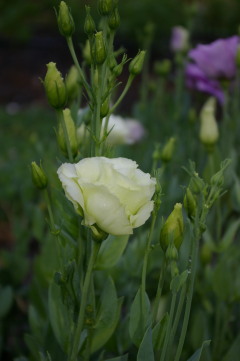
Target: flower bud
{"points": [[55, 87], [114, 19], [65, 21], [87, 53], [168, 150], [38, 176], [209, 133], [172, 230], [171, 253], [104, 108], [190, 204], [99, 48], [196, 184], [89, 24], [105, 7], [136, 65], [73, 83], [71, 132], [162, 68]]}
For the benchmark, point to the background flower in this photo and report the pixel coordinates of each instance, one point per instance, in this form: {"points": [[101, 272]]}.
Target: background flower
{"points": [[110, 193], [179, 39]]}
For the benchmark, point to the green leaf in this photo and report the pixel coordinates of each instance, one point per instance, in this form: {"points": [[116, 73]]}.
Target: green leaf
{"points": [[159, 332], [140, 317], [229, 235], [6, 297], [197, 355], [33, 345], [145, 351], [107, 316], [110, 252], [234, 351], [119, 358], [60, 318], [178, 281]]}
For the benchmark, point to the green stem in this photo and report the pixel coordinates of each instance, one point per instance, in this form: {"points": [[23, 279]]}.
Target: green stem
{"points": [[169, 326], [125, 90], [65, 133], [97, 109], [80, 321], [75, 59], [193, 268], [159, 290]]}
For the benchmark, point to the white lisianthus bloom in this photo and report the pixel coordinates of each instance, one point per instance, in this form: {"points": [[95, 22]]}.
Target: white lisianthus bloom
{"points": [[121, 131], [112, 194]]}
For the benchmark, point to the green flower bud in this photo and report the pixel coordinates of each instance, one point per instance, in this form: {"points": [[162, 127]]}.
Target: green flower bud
{"points": [[105, 7], [172, 230], [112, 63], [168, 150], [117, 70], [55, 87], [65, 21], [171, 253], [89, 24], [104, 108], [206, 254], [114, 19], [162, 68], [196, 184], [136, 65], [99, 49], [71, 131], [209, 133], [38, 176], [190, 204], [87, 53], [73, 83]]}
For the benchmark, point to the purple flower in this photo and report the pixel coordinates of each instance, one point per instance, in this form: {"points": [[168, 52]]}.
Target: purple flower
{"points": [[197, 79], [218, 59], [179, 39]]}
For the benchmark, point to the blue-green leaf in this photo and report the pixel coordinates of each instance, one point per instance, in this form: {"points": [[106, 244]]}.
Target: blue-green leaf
{"points": [[140, 317], [145, 352], [110, 252], [197, 355]]}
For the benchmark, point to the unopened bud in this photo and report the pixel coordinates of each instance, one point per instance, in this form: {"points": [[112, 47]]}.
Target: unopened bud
{"points": [[73, 83], [190, 204], [196, 184], [209, 133], [162, 68], [38, 176], [89, 24], [105, 7], [136, 65], [71, 132], [99, 49], [65, 21], [104, 108], [171, 253], [168, 150], [114, 19], [172, 230], [55, 87], [87, 53]]}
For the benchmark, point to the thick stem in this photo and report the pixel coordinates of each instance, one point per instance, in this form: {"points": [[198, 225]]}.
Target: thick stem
{"points": [[80, 321]]}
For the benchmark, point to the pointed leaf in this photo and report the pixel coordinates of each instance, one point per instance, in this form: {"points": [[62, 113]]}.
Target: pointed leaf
{"points": [[197, 355], [159, 332], [110, 252], [140, 317], [145, 352]]}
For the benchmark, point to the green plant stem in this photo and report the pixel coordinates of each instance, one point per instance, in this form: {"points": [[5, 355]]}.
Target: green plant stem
{"points": [[159, 290], [97, 109], [65, 133], [75, 60], [80, 321], [125, 90], [168, 332], [192, 269]]}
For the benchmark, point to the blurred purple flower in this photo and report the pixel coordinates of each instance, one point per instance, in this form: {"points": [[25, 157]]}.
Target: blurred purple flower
{"points": [[179, 39], [197, 79], [218, 59]]}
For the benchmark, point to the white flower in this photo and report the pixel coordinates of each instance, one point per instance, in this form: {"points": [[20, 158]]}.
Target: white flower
{"points": [[121, 131], [209, 132], [179, 39], [110, 193]]}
